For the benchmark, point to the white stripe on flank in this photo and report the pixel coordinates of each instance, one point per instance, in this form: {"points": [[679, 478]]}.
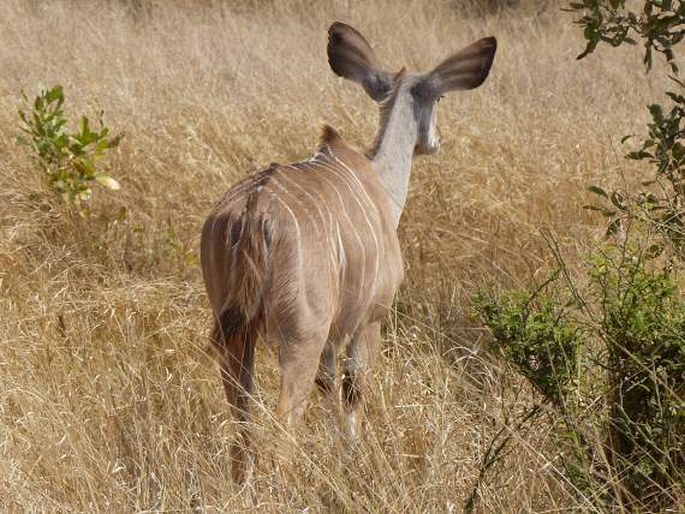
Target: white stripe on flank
{"points": [[354, 229], [364, 194], [302, 206], [334, 256], [297, 224], [326, 224], [374, 209], [342, 259], [314, 201], [342, 172]]}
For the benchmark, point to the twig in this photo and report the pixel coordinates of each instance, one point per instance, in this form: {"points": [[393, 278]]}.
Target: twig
{"points": [[493, 454]]}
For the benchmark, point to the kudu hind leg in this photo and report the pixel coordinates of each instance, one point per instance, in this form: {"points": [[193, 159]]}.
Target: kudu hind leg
{"points": [[326, 378], [237, 368], [361, 352], [299, 361]]}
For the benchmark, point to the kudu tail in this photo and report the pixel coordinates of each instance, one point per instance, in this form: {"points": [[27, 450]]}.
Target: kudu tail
{"points": [[244, 302], [230, 324]]}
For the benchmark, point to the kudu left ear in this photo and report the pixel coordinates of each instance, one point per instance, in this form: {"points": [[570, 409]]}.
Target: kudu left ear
{"points": [[467, 69], [351, 56]]}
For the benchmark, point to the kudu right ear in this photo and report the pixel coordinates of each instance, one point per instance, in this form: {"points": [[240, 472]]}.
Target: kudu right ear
{"points": [[351, 56]]}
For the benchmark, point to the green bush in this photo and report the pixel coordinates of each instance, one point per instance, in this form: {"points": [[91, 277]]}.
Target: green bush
{"points": [[609, 358], [611, 364], [546, 338], [657, 25], [643, 330], [67, 159]]}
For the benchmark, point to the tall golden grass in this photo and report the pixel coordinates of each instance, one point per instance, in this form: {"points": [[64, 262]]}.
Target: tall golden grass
{"points": [[108, 401]]}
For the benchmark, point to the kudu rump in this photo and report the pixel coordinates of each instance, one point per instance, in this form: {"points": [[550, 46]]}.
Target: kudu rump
{"points": [[306, 255]]}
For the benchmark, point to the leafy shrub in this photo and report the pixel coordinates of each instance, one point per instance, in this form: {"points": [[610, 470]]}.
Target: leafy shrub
{"points": [[546, 339], [643, 330], [67, 159], [621, 420], [658, 24], [611, 363]]}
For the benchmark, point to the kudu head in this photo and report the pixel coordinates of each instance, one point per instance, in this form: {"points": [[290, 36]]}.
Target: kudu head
{"points": [[351, 56]]}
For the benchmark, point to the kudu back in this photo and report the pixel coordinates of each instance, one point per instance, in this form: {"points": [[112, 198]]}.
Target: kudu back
{"points": [[306, 255]]}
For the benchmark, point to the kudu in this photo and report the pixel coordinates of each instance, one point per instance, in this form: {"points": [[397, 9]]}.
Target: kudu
{"points": [[306, 255]]}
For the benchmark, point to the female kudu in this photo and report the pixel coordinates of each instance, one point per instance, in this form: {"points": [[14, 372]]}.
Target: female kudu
{"points": [[306, 255]]}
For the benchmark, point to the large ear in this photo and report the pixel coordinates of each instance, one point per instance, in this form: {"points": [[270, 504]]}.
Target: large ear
{"points": [[467, 69], [351, 56]]}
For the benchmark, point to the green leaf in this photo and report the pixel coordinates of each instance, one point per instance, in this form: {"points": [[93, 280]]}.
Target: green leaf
{"points": [[101, 146], [657, 112], [679, 99], [592, 44], [614, 228], [598, 191], [56, 93], [640, 154], [86, 136]]}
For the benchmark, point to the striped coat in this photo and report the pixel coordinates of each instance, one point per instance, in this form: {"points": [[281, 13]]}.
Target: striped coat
{"points": [[313, 252], [306, 255]]}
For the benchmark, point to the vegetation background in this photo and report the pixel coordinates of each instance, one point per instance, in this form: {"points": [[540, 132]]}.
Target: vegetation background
{"points": [[108, 399]]}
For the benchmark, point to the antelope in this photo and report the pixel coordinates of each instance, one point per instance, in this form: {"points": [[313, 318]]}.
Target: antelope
{"points": [[306, 255]]}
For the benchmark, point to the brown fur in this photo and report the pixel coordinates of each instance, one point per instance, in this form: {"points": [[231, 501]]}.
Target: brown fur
{"points": [[271, 274], [306, 255], [303, 255]]}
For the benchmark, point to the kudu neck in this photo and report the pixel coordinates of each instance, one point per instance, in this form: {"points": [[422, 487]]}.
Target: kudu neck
{"points": [[393, 150]]}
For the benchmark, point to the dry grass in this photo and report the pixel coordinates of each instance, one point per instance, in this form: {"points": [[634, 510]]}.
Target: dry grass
{"points": [[107, 398]]}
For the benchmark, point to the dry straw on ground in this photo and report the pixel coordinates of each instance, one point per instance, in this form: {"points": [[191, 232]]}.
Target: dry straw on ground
{"points": [[107, 398]]}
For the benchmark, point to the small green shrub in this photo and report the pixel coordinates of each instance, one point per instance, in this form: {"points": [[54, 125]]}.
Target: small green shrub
{"points": [[67, 159], [546, 339], [609, 358], [611, 364], [643, 329]]}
